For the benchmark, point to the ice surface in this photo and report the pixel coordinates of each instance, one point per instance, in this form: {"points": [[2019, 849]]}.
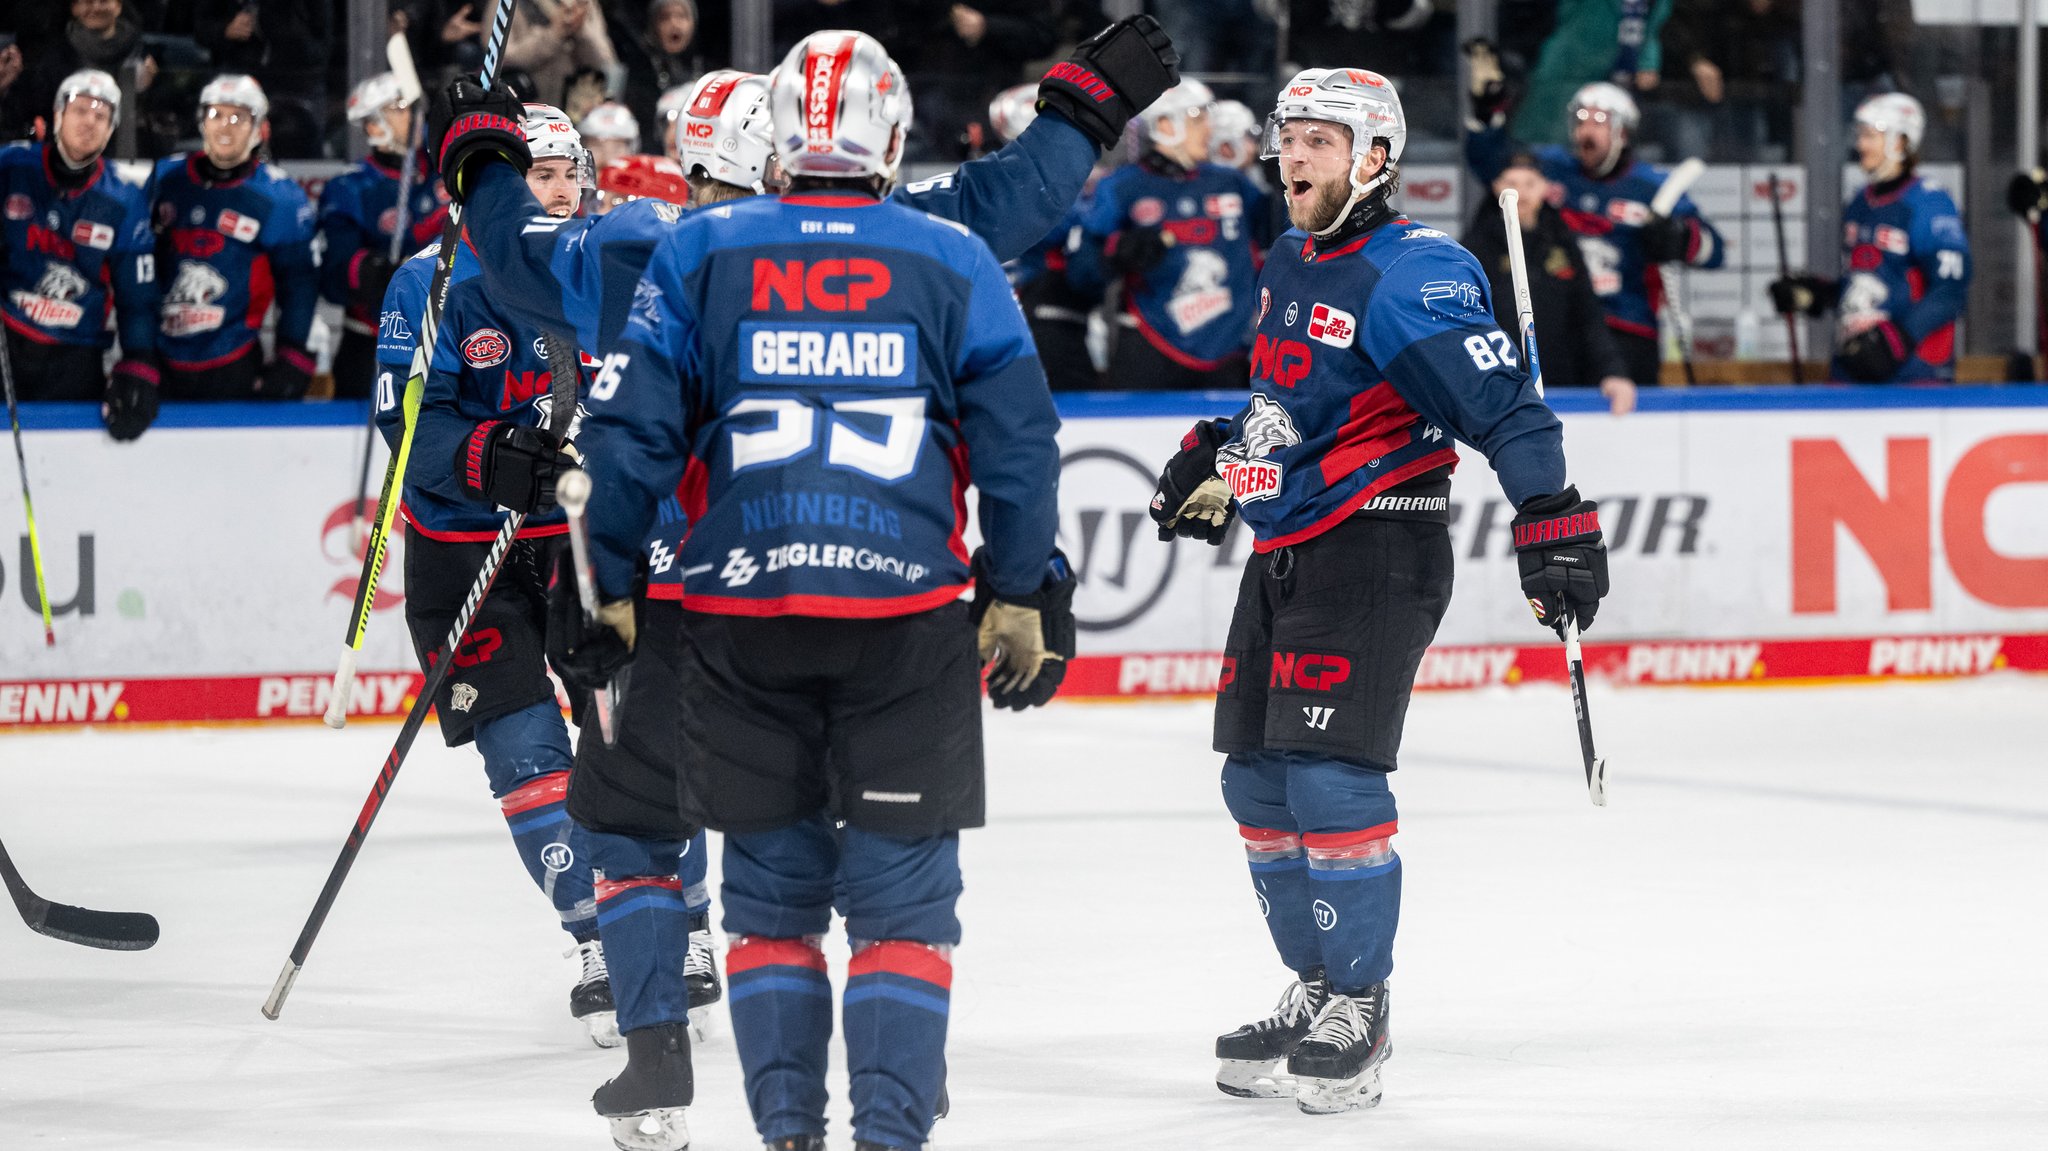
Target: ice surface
{"points": [[1809, 918]]}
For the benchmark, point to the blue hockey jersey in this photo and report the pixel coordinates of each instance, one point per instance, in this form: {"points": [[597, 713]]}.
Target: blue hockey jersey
{"points": [[1608, 217], [1906, 260], [359, 212], [228, 249], [834, 371], [75, 256], [1195, 305], [1369, 358]]}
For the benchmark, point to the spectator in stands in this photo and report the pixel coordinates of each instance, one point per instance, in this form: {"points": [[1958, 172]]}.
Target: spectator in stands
{"points": [[1728, 68], [1219, 35], [17, 118], [284, 45], [1574, 345], [553, 40], [660, 51], [445, 36], [1612, 40], [99, 35], [1341, 33], [957, 57], [796, 19]]}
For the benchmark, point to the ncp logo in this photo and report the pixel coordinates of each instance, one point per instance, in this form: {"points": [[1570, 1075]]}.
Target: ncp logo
{"points": [[1109, 537]]}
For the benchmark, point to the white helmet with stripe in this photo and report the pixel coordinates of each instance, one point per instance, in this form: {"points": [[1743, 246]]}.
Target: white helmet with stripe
{"points": [[550, 136], [1364, 102], [235, 91], [609, 121], [724, 131], [840, 106], [1902, 122]]}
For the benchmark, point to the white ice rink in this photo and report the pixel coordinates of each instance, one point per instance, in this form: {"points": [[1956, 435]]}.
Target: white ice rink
{"points": [[1810, 918]]}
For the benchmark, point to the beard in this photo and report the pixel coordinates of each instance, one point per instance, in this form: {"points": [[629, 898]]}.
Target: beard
{"points": [[1319, 211]]}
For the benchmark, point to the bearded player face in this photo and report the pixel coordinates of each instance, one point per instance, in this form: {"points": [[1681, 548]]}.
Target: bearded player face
{"points": [[1315, 169]]}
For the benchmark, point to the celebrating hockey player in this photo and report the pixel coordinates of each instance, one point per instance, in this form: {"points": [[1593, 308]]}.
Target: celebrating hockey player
{"points": [[233, 233], [1370, 358], [77, 244], [1606, 194], [359, 212], [1009, 199], [1907, 260], [1183, 237]]}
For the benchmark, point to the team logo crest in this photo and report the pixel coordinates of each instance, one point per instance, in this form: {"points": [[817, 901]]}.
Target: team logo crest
{"points": [[462, 697], [1242, 462], [54, 301], [20, 207], [486, 348], [1147, 212], [1201, 295], [190, 306], [1265, 305]]}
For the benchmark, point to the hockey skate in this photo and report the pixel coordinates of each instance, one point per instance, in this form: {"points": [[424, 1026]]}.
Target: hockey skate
{"points": [[1336, 1067], [645, 1104], [591, 999], [795, 1143], [1250, 1056], [700, 977]]}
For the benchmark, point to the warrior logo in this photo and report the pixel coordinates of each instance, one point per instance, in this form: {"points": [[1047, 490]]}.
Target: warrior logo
{"points": [[189, 306], [53, 302], [1200, 296], [1242, 462]]}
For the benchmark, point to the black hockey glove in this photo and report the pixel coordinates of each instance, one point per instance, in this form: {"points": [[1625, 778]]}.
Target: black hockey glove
{"points": [[1111, 77], [1874, 354], [372, 276], [470, 124], [287, 376], [2027, 195], [1191, 500], [588, 655], [1804, 293], [512, 466], [1563, 558], [1669, 239], [1487, 86], [130, 404], [1135, 251], [1025, 640]]}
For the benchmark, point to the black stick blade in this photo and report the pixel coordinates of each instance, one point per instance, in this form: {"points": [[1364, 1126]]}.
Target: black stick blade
{"points": [[108, 930]]}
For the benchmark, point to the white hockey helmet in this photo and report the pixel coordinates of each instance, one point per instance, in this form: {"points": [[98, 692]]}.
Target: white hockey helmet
{"points": [[609, 121], [1231, 125], [1365, 102], [550, 136], [1177, 105], [367, 102], [840, 106], [236, 91], [1602, 99], [87, 84], [1013, 110], [724, 130], [1900, 119]]}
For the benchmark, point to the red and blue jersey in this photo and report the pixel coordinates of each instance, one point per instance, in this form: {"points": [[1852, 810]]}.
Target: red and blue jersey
{"points": [[1195, 305], [834, 371], [398, 325], [359, 212], [1906, 260], [227, 249], [75, 255], [1369, 359], [1607, 216]]}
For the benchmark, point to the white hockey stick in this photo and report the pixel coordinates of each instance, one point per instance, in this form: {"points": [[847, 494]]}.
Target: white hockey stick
{"points": [[1673, 189], [572, 492]]}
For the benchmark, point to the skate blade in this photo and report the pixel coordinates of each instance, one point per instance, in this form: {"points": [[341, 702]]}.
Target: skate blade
{"points": [[1336, 1096], [604, 1028], [661, 1129], [1251, 1079], [703, 1023]]}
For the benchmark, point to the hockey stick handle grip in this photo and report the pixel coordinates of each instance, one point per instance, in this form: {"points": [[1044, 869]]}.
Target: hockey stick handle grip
{"points": [[1518, 267], [572, 492], [283, 987], [344, 685]]}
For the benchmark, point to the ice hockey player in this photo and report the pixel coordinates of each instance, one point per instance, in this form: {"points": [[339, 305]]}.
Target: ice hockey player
{"points": [[1183, 236], [1906, 256], [611, 133], [642, 177], [484, 442], [1376, 348], [233, 233], [831, 673], [77, 244], [1009, 198], [1056, 310], [1605, 194], [359, 212]]}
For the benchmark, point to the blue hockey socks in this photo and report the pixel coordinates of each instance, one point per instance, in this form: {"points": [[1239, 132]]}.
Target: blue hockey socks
{"points": [[526, 756], [644, 919]]}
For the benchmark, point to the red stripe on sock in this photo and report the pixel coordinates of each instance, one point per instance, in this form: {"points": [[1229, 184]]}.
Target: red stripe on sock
{"points": [[754, 951], [606, 888], [1326, 840], [537, 792], [903, 957], [1267, 838]]}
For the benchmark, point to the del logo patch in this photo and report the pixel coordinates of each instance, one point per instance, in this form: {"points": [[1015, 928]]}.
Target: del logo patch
{"points": [[486, 348], [1333, 326]]}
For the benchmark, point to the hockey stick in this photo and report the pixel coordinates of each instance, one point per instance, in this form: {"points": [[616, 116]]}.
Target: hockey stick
{"points": [[109, 930], [1785, 273], [394, 472], [1596, 768], [28, 507], [572, 491], [1672, 190], [399, 54]]}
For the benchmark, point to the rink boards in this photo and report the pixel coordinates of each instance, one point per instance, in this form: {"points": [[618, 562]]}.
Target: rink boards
{"points": [[204, 572]]}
